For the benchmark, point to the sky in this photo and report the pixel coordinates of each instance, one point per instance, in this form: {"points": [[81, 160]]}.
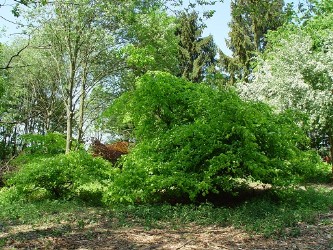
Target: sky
{"points": [[7, 28], [216, 25]]}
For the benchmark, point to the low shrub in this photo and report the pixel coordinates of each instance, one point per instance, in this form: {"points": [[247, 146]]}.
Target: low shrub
{"points": [[76, 174], [50, 144]]}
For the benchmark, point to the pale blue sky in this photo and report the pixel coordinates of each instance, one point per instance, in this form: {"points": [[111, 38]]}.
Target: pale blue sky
{"points": [[217, 25], [6, 19]]}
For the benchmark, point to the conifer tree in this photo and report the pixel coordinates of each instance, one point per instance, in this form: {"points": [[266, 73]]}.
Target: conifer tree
{"points": [[196, 53], [250, 22]]}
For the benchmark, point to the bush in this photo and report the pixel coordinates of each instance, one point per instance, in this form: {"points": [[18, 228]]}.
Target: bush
{"points": [[50, 144], [193, 140], [76, 174], [37, 147]]}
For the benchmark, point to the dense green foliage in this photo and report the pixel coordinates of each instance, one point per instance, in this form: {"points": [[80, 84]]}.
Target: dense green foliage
{"points": [[198, 155], [49, 144], [193, 140], [77, 174], [44, 171], [36, 146], [196, 53], [270, 214], [250, 22]]}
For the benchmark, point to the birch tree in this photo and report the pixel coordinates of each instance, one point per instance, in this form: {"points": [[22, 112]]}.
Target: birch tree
{"points": [[82, 52]]}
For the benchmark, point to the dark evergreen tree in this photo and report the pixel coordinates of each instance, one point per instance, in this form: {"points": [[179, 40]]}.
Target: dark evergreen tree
{"points": [[250, 22], [196, 53]]}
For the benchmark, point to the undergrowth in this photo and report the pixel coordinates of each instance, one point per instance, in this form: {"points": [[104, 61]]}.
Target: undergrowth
{"points": [[269, 214]]}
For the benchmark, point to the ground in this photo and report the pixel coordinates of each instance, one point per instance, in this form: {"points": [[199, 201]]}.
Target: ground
{"points": [[101, 234], [72, 225]]}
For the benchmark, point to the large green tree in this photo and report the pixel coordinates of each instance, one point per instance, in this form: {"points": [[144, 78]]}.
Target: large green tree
{"points": [[296, 73], [82, 51]]}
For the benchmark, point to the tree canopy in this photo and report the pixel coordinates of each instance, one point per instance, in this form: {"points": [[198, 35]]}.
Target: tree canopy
{"points": [[295, 73]]}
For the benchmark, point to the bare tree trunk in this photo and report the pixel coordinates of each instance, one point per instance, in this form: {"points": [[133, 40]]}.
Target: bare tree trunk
{"points": [[330, 138], [69, 105], [69, 125], [82, 103]]}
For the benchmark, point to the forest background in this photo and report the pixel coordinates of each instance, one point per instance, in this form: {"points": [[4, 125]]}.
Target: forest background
{"points": [[128, 109], [191, 121], [143, 72]]}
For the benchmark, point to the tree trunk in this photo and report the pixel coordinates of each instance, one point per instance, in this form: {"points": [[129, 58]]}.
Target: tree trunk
{"points": [[69, 124], [330, 138], [69, 105], [82, 103]]}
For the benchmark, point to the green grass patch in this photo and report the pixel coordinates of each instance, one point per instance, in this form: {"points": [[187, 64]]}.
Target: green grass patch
{"points": [[269, 214]]}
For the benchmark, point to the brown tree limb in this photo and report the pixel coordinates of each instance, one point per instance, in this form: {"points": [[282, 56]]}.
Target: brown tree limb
{"points": [[13, 56]]}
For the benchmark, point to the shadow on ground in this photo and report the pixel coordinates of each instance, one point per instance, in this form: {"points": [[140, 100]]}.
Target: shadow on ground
{"points": [[102, 235]]}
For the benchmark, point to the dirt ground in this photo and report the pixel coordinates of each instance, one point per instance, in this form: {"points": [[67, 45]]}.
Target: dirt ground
{"points": [[102, 235]]}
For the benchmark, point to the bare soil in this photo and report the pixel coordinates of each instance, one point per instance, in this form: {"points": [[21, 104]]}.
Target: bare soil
{"points": [[103, 235]]}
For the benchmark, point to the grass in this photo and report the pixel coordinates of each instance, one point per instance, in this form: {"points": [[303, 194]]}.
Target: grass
{"points": [[268, 214]]}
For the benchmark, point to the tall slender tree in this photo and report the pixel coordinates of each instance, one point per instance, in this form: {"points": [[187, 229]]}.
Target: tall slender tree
{"points": [[250, 22], [196, 53], [32, 94], [83, 52]]}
